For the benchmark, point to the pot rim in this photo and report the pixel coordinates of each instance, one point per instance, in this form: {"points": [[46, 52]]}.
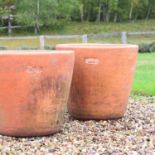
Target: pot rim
{"points": [[95, 45], [34, 52]]}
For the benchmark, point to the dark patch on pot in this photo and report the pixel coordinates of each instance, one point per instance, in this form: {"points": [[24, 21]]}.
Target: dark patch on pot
{"points": [[53, 88]]}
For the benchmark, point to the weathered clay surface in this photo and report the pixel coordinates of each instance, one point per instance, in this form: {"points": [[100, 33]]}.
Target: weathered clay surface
{"points": [[102, 79], [34, 91]]}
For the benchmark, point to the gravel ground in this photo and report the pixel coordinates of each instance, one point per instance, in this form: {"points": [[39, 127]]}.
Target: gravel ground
{"points": [[134, 134]]}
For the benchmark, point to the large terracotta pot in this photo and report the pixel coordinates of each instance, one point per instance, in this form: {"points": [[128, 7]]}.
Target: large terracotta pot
{"points": [[102, 79], [34, 89]]}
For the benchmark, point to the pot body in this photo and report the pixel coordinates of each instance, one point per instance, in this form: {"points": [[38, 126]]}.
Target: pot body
{"points": [[102, 80], [34, 89]]}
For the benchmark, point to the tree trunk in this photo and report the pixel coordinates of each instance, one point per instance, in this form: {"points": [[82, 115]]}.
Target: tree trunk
{"points": [[148, 12], [88, 16], [107, 17], [136, 16], [9, 25], [36, 28], [82, 12], [115, 17], [131, 12], [99, 13]]}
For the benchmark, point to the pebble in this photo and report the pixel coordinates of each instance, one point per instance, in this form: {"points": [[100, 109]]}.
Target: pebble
{"points": [[134, 134]]}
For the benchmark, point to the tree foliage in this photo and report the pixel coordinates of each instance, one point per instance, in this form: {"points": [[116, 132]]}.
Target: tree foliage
{"points": [[52, 12]]}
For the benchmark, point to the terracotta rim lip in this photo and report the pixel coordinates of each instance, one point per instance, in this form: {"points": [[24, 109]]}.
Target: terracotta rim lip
{"points": [[35, 52], [98, 46]]}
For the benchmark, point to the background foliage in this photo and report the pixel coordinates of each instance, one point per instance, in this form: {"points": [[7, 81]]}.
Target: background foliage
{"points": [[46, 13]]}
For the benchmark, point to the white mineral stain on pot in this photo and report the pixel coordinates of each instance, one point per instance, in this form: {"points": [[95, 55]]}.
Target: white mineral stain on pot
{"points": [[92, 61], [33, 70], [53, 61]]}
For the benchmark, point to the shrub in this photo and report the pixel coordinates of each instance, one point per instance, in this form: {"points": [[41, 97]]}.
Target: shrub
{"points": [[147, 48], [152, 47], [144, 48], [49, 47], [3, 48], [27, 48]]}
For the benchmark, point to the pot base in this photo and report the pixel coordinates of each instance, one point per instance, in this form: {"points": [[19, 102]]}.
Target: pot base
{"points": [[20, 134]]}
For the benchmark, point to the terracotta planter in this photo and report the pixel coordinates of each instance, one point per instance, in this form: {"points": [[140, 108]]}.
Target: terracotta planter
{"points": [[102, 79], [34, 88]]}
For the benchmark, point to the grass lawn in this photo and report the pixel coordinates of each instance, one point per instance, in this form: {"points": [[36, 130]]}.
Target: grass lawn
{"points": [[15, 44], [84, 28], [144, 82], [91, 28]]}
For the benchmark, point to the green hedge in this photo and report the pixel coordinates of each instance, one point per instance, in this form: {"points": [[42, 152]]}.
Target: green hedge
{"points": [[147, 48], [27, 48], [3, 48]]}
